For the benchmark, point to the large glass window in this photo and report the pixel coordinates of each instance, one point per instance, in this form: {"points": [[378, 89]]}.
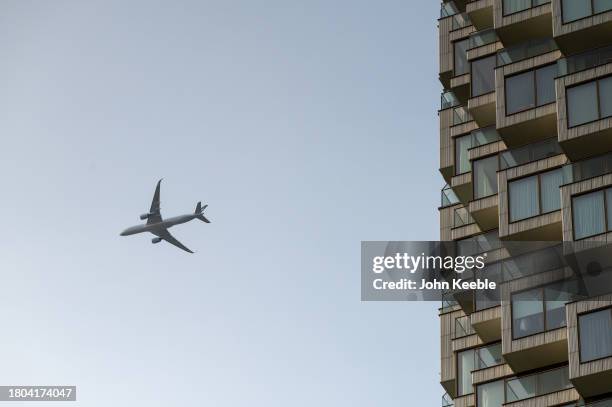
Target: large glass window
{"points": [[589, 101], [462, 162], [483, 75], [514, 6], [485, 177], [535, 195], [461, 63], [491, 394], [541, 309], [595, 335], [576, 9], [530, 89]]}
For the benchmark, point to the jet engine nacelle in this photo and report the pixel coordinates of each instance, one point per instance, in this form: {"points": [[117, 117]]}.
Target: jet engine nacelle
{"points": [[145, 216], [156, 240]]}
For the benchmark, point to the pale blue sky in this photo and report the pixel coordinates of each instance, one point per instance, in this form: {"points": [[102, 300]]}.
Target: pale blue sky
{"points": [[306, 126]]}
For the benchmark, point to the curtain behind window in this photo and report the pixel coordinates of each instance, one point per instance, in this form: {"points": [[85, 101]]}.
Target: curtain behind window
{"points": [[595, 335], [523, 198], [514, 6], [485, 177], [582, 103], [575, 9], [599, 6], [550, 195], [545, 84], [491, 394], [605, 96], [588, 214]]}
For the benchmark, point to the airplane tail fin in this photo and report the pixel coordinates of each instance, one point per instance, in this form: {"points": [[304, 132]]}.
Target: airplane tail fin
{"points": [[199, 210]]}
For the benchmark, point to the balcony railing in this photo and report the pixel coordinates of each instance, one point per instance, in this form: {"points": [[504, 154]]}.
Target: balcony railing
{"points": [[463, 327], [448, 301], [484, 37], [537, 384], [448, 196], [447, 401], [484, 136], [585, 60], [462, 217], [593, 167], [448, 9], [461, 20], [448, 99], [525, 50], [529, 153], [461, 115]]}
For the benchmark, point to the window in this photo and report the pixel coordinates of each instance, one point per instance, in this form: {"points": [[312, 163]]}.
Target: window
{"points": [[461, 63], [589, 102], [576, 9], [479, 244], [537, 384], [485, 177], [530, 89], [483, 76], [541, 309], [535, 195], [475, 359], [514, 6], [595, 335], [592, 213], [491, 394], [462, 162]]}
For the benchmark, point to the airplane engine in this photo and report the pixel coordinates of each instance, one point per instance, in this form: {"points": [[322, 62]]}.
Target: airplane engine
{"points": [[145, 216], [156, 240]]}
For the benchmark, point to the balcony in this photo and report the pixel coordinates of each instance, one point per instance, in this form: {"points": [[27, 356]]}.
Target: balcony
{"points": [[584, 101], [448, 361], [529, 200], [482, 58], [519, 20], [589, 325], [463, 224], [533, 322], [525, 99], [487, 323], [543, 389], [579, 25], [480, 13]]}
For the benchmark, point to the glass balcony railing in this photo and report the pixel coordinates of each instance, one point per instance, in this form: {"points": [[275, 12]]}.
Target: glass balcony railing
{"points": [[593, 167], [462, 217], [463, 327], [448, 99], [484, 37], [448, 301], [531, 152], [537, 384], [448, 9], [525, 50], [585, 60], [447, 401], [484, 136], [448, 196], [461, 115], [461, 20]]}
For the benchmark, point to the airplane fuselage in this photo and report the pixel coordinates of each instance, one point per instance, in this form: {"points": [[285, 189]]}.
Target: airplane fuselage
{"points": [[164, 224]]}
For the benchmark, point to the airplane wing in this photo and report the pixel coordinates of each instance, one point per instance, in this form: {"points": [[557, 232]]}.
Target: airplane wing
{"points": [[164, 234], [155, 216]]}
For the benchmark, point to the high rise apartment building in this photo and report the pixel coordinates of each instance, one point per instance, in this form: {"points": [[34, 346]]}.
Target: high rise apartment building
{"points": [[526, 152]]}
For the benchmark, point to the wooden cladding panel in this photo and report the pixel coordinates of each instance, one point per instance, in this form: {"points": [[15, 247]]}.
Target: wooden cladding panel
{"points": [[487, 149], [466, 342], [491, 373], [484, 50], [446, 47]]}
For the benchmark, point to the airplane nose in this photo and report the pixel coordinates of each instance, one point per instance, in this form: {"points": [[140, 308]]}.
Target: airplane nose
{"points": [[123, 233]]}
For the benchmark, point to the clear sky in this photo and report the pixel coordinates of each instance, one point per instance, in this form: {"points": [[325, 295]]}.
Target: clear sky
{"points": [[307, 126]]}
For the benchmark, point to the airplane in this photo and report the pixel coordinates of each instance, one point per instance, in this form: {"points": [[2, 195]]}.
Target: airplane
{"points": [[159, 227]]}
